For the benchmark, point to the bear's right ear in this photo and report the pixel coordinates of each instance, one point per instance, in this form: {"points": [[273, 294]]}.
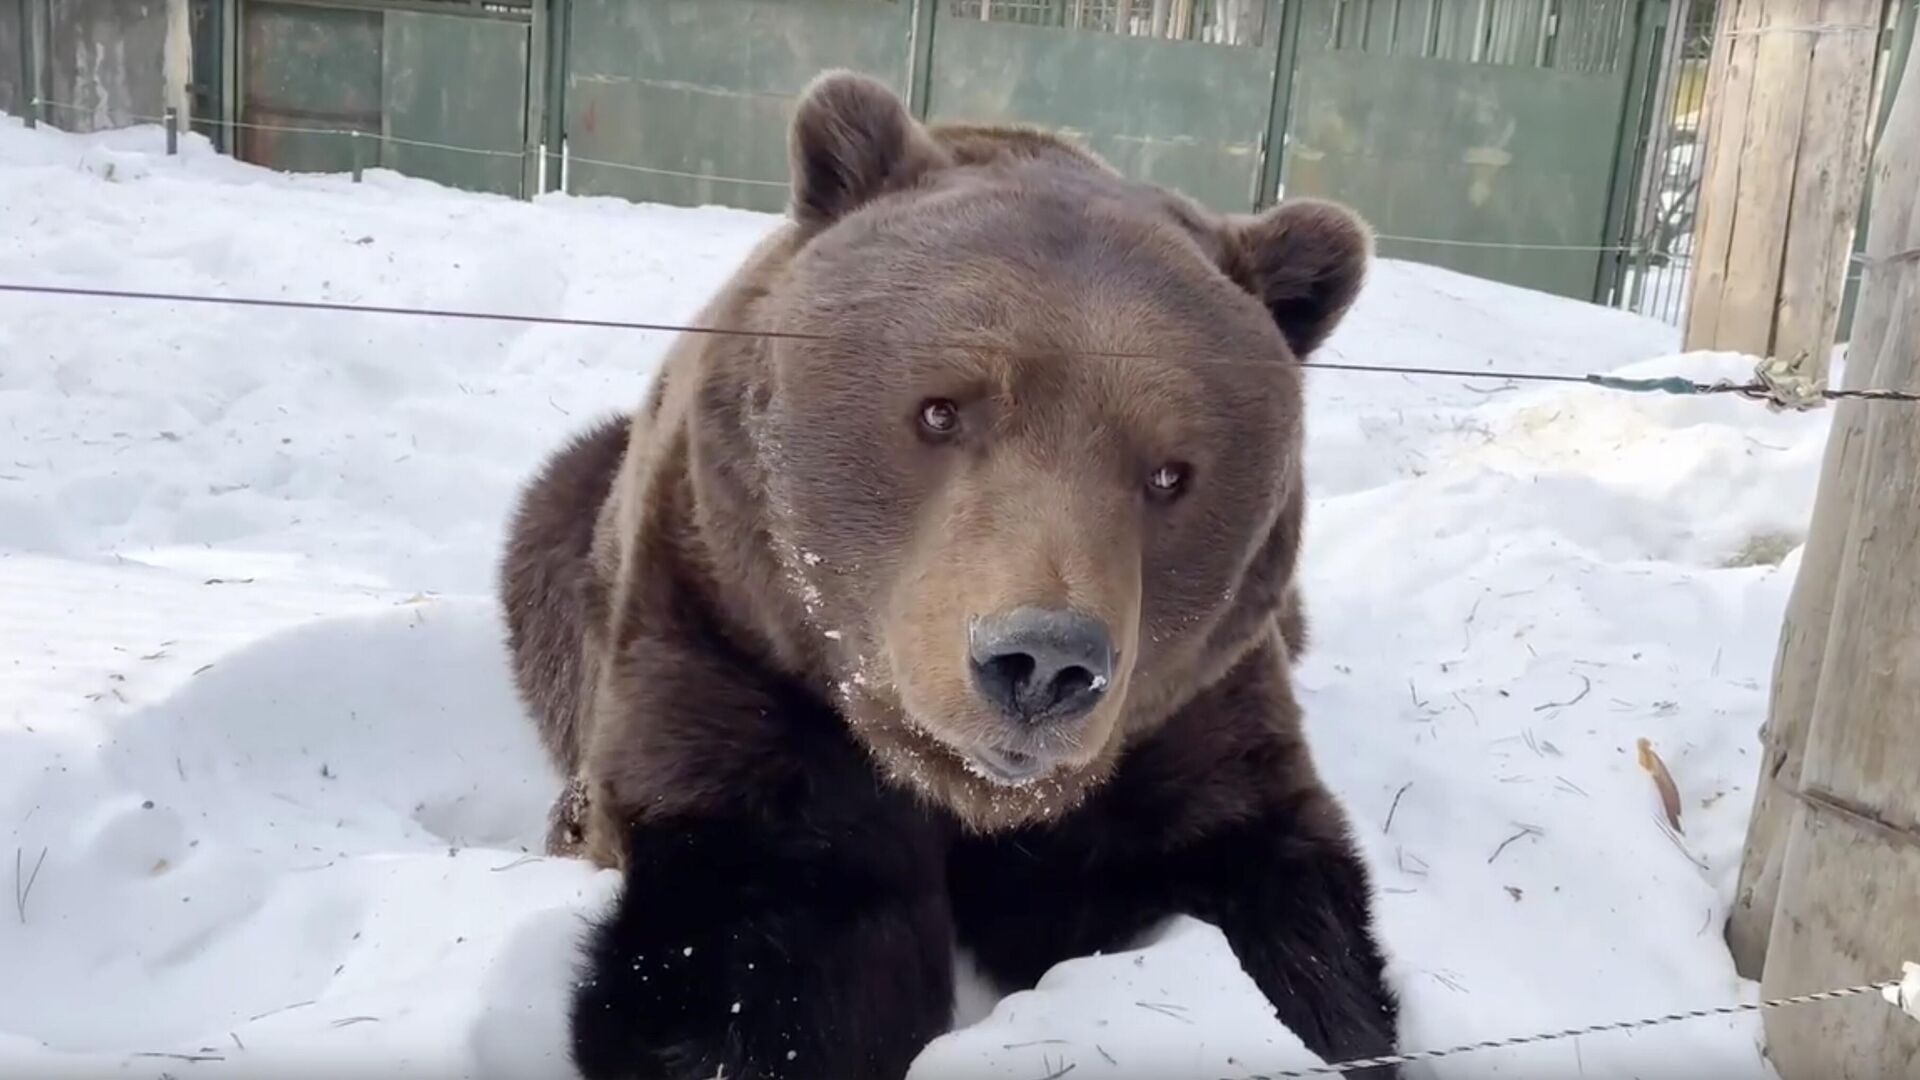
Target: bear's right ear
{"points": [[1305, 260], [852, 141]]}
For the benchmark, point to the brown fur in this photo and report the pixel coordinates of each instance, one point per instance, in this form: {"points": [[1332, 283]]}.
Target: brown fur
{"points": [[758, 483], [770, 540]]}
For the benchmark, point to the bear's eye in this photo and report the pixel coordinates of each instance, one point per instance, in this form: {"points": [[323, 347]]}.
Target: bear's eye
{"points": [[939, 417], [1167, 481]]}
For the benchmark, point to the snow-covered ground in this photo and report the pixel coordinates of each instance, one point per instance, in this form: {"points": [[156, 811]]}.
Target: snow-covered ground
{"points": [[271, 799]]}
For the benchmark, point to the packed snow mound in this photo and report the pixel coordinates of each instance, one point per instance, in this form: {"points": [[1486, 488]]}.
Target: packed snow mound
{"points": [[275, 808]]}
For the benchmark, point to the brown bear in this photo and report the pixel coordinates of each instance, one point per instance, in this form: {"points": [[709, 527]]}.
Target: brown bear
{"points": [[941, 592]]}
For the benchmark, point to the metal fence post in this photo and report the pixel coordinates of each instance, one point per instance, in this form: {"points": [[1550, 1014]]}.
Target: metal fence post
{"points": [[1283, 22], [534, 126], [559, 62], [173, 131], [920, 19], [29, 70], [353, 141]]}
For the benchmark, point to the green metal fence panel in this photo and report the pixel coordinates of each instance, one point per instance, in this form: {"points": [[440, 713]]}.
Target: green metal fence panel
{"points": [[1500, 167], [311, 74], [1483, 135], [688, 101], [461, 81], [307, 67], [1188, 114]]}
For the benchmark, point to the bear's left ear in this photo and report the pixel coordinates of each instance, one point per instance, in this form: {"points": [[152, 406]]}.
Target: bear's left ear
{"points": [[852, 141], [1305, 259]]}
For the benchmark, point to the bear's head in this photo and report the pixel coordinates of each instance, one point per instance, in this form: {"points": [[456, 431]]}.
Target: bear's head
{"points": [[1029, 437]]}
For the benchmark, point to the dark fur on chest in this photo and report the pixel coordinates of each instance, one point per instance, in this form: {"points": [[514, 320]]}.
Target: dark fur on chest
{"points": [[786, 912]]}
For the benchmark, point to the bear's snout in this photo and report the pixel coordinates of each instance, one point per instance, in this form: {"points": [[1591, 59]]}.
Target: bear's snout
{"points": [[1039, 666]]}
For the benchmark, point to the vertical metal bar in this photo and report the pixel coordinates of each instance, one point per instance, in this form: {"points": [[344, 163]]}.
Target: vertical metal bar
{"points": [[29, 89], [1286, 57], [925, 15], [1633, 102], [354, 141], [230, 59], [1646, 201], [33, 38], [173, 131], [559, 70], [1676, 287], [533, 122]]}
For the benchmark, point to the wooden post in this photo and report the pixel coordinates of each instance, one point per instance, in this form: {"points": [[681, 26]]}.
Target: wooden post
{"points": [[1848, 909], [1790, 88], [1804, 634], [1796, 680]]}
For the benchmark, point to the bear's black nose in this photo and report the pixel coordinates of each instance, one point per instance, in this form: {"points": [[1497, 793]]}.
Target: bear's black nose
{"points": [[1037, 665]]}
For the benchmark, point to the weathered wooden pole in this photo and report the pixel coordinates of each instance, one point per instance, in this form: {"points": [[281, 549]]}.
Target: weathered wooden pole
{"points": [[1789, 95], [1824, 166], [1848, 907]]}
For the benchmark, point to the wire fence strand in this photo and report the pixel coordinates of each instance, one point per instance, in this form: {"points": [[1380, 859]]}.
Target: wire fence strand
{"points": [[379, 136], [572, 159], [1668, 385], [1755, 390], [1415, 1056], [297, 129], [1673, 384]]}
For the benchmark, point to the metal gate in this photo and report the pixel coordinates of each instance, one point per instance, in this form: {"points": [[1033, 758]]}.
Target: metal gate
{"points": [[688, 101], [1497, 137], [335, 85], [1488, 136], [1176, 93]]}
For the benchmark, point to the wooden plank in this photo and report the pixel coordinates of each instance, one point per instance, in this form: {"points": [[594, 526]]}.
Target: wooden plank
{"points": [[1786, 149], [1805, 633], [1729, 93], [1839, 866], [1851, 749], [1849, 906], [1796, 683], [1760, 210], [1829, 173]]}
